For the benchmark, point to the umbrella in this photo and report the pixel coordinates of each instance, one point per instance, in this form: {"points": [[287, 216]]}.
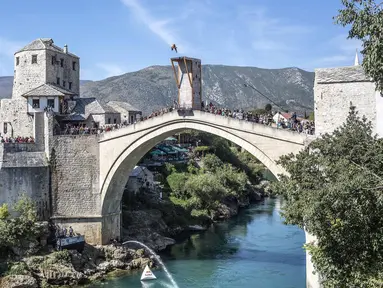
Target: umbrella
{"points": [[170, 139], [157, 152]]}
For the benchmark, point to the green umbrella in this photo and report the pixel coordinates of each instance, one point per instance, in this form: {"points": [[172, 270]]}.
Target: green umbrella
{"points": [[157, 152], [170, 139]]}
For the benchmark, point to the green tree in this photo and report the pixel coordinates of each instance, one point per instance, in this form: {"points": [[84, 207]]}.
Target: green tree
{"points": [[4, 211], [365, 18], [206, 192], [259, 111], [21, 227], [233, 180], [176, 183], [312, 116], [335, 192], [211, 162], [268, 107]]}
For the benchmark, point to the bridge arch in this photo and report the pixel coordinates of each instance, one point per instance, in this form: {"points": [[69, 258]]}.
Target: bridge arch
{"points": [[121, 150]]}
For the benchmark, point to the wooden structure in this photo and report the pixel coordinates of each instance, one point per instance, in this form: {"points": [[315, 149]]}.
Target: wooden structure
{"points": [[188, 76]]}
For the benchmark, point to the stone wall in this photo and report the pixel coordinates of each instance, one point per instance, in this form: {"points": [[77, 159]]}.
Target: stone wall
{"points": [[312, 280], [28, 76], [75, 176], [335, 89], [13, 112], [24, 170], [65, 73]]}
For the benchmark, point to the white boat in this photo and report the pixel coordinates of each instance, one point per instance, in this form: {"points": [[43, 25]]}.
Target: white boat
{"points": [[147, 274]]}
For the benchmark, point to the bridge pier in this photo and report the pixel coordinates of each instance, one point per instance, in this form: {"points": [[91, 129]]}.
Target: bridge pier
{"points": [[312, 280], [90, 227]]}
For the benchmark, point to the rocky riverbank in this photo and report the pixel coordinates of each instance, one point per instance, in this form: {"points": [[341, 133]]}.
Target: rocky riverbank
{"points": [[72, 268], [157, 222]]}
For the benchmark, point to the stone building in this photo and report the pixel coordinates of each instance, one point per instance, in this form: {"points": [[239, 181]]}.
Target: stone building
{"points": [[335, 89], [47, 79], [129, 114], [140, 177], [91, 113], [45, 76], [94, 114]]}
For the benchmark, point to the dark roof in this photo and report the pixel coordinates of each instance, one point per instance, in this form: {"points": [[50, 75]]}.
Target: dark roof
{"points": [[88, 106], [44, 44], [48, 90]]}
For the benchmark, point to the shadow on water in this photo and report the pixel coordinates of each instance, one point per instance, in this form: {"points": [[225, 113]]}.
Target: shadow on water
{"points": [[220, 241]]}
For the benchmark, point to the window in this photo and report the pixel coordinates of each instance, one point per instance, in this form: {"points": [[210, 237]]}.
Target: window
{"points": [[51, 103], [74, 66], [17, 61], [62, 62], [36, 103], [115, 121], [53, 60], [34, 59], [109, 121], [70, 85], [64, 83], [58, 80], [5, 129]]}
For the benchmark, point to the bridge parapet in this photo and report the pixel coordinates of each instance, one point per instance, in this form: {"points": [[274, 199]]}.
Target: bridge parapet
{"points": [[214, 119]]}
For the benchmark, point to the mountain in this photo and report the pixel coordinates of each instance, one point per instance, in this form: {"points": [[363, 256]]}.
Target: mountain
{"points": [[6, 84], [154, 87]]}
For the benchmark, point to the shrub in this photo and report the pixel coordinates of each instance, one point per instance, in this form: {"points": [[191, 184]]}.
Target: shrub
{"points": [[22, 227]]}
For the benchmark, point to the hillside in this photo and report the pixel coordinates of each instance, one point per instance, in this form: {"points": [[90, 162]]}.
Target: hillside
{"points": [[154, 87]]}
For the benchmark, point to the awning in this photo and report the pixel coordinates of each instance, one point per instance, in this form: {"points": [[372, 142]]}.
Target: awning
{"points": [[170, 139], [179, 149], [157, 152]]}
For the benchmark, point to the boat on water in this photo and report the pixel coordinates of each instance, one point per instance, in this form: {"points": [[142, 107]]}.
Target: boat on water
{"points": [[147, 274]]}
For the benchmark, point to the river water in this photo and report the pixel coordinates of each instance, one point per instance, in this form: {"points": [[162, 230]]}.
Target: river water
{"points": [[253, 250]]}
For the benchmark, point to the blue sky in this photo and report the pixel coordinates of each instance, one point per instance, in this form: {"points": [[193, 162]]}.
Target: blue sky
{"points": [[117, 36]]}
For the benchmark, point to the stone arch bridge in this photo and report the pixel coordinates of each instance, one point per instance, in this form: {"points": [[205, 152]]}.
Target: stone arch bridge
{"points": [[89, 173]]}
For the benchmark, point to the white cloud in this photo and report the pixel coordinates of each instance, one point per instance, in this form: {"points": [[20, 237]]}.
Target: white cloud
{"points": [[271, 33], [160, 27]]}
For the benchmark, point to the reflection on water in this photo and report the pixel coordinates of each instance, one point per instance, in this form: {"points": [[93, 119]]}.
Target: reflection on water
{"points": [[252, 250]]}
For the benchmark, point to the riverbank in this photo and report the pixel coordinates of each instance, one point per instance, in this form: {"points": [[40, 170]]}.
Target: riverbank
{"points": [[71, 268], [158, 222], [252, 249]]}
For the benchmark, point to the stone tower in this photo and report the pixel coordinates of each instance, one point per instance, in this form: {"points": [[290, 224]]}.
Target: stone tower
{"points": [[42, 62], [336, 88], [188, 76], [44, 75]]}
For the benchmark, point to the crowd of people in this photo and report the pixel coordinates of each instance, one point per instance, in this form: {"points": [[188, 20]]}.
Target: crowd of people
{"points": [[292, 123], [18, 139], [82, 129]]}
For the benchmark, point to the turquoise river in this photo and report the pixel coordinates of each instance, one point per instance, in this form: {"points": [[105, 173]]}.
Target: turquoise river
{"points": [[253, 250]]}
